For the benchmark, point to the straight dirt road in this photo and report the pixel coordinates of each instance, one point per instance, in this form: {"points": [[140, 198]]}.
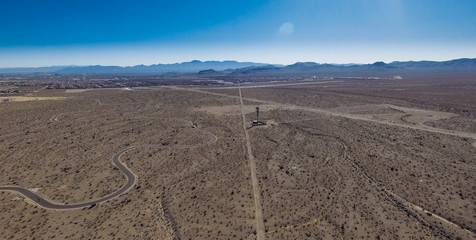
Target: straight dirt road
{"points": [[254, 180], [407, 204], [345, 115]]}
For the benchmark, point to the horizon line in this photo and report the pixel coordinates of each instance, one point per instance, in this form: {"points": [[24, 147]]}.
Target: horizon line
{"points": [[221, 61]]}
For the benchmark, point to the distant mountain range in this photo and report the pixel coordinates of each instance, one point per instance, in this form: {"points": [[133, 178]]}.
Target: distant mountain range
{"points": [[234, 68], [156, 69], [375, 68]]}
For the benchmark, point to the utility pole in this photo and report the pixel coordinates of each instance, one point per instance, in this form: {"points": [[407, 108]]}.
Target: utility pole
{"points": [[257, 114]]}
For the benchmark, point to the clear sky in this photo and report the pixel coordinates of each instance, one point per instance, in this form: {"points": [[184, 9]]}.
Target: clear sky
{"points": [[119, 32]]}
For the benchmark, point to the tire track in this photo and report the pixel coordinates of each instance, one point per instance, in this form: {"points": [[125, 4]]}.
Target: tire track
{"points": [[401, 203], [260, 234], [339, 114]]}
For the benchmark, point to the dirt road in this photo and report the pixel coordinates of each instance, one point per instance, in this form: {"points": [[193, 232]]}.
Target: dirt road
{"points": [[390, 195], [41, 201], [260, 235], [274, 85], [130, 176], [345, 115]]}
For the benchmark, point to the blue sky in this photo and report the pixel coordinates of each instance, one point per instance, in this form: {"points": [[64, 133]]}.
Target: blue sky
{"points": [[86, 32]]}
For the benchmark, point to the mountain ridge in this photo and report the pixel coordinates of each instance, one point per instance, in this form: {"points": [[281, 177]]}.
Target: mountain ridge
{"points": [[236, 68]]}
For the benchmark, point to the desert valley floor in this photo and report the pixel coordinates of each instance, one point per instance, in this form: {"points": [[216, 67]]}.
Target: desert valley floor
{"points": [[337, 159]]}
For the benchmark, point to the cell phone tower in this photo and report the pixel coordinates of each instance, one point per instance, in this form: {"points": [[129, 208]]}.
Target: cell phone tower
{"points": [[257, 114]]}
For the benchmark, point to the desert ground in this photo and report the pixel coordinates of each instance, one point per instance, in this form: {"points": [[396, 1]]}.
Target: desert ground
{"points": [[337, 159]]}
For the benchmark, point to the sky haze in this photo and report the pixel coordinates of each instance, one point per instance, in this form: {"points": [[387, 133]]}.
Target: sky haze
{"points": [[45, 33]]}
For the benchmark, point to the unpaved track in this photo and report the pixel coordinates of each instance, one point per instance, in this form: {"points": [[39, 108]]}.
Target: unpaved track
{"points": [[344, 115], [390, 195], [274, 85], [254, 180], [55, 117], [41, 201], [130, 182], [394, 198]]}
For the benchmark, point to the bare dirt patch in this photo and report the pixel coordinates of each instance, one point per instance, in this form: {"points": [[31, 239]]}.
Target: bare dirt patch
{"points": [[236, 109], [395, 113], [368, 109], [27, 99], [77, 90], [420, 116]]}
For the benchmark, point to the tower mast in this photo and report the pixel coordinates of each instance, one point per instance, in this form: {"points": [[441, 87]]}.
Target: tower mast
{"points": [[257, 114]]}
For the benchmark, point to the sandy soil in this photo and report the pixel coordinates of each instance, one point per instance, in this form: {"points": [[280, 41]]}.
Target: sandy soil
{"points": [[76, 90], [68, 160], [333, 163], [423, 206], [235, 109], [26, 99]]}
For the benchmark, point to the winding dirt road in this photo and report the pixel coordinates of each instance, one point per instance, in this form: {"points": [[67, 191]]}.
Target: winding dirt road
{"points": [[131, 178]]}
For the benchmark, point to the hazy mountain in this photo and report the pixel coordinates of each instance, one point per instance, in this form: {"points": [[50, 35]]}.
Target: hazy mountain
{"points": [[374, 68], [234, 68], [28, 70], [157, 69], [254, 70], [210, 72], [180, 68]]}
